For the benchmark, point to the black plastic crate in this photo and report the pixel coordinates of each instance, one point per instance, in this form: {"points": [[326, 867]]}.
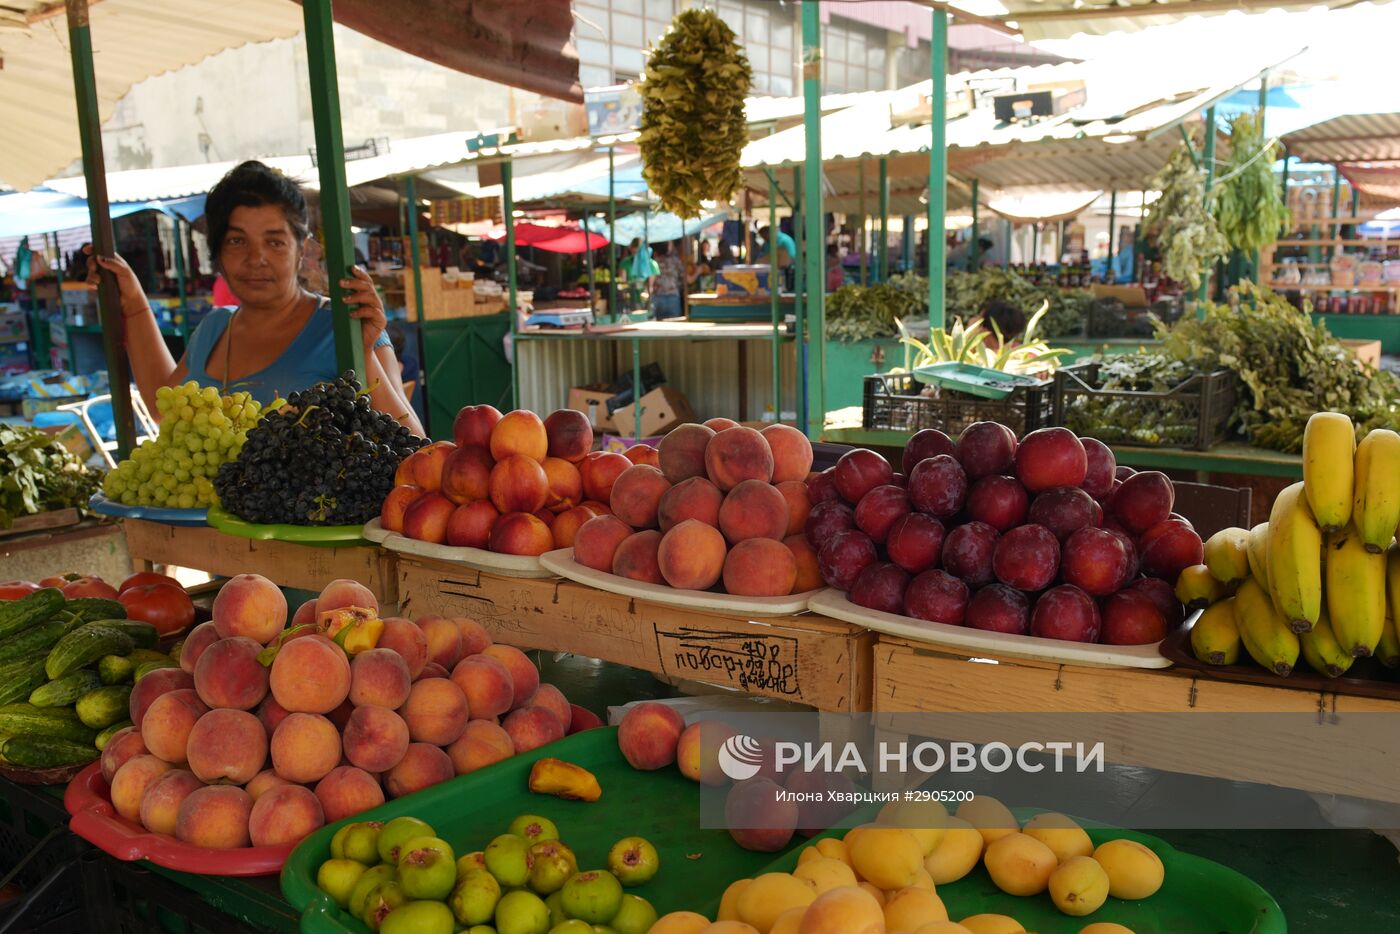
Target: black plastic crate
{"points": [[896, 402], [1110, 318], [129, 898], [1194, 414], [40, 856]]}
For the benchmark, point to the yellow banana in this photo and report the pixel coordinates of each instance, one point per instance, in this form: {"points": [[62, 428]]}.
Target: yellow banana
{"points": [[1263, 632], [1355, 592], [1388, 651], [1215, 639], [1227, 554], [1295, 559], [1376, 502], [1259, 553], [1392, 580], [1197, 587], [1329, 457], [1321, 650]]}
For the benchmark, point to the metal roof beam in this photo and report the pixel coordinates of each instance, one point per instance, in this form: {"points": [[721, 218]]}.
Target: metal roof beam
{"points": [[1167, 8]]}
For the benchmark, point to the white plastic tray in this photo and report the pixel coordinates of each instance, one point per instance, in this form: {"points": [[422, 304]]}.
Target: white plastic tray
{"points": [[479, 558], [832, 602], [374, 532], [562, 563]]}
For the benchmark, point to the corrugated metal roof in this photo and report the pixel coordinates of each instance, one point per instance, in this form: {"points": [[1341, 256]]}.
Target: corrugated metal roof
{"points": [[1363, 137], [1103, 17]]}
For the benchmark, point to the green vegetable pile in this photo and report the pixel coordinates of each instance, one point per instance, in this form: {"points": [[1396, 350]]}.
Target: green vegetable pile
{"points": [[1135, 420], [969, 293], [858, 312], [38, 474], [693, 126], [1186, 234], [1247, 206]]}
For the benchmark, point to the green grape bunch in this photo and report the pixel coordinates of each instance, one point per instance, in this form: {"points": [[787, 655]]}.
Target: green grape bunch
{"points": [[199, 430]]}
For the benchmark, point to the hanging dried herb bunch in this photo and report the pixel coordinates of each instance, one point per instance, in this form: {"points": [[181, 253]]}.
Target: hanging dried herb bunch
{"points": [[693, 126], [1186, 234], [1248, 207]]}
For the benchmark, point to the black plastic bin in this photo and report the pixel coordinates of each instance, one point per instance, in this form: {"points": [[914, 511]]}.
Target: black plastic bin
{"points": [[1194, 414], [40, 856], [896, 402]]}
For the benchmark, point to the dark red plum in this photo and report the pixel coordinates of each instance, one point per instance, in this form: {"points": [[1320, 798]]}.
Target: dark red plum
{"points": [[1170, 552], [937, 597], [986, 448], [1027, 558], [826, 519], [999, 501], [880, 587], [915, 542], [1096, 561], [1066, 612], [821, 488], [1050, 457], [1131, 618], [1143, 500], [938, 486], [844, 556], [1063, 511], [858, 472], [878, 510], [1163, 594], [928, 442], [967, 553], [1100, 465], [999, 608]]}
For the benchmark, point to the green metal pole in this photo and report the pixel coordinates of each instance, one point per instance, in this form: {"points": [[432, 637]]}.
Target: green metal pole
{"points": [[815, 240], [799, 281], [906, 243], [974, 250], [938, 168], [636, 389], [412, 198], [109, 302], [180, 278], [884, 219], [1208, 157], [335, 196], [1035, 243], [612, 238], [1263, 111], [864, 260], [508, 209], [1112, 234], [1333, 228], [1006, 243], [775, 299]]}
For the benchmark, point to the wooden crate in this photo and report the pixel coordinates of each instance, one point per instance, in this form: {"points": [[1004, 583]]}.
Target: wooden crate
{"points": [[912, 677], [806, 659], [284, 563]]}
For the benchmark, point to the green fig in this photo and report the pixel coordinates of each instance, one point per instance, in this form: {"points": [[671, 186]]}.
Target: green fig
{"points": [[635, 916], [592, 896], [533, 828], [420, 917], [508, 859], [522, 913], [396, 833], [474, 899], [367, 883], [633, 860], [426, 868], [337, 878], [551, 865]]}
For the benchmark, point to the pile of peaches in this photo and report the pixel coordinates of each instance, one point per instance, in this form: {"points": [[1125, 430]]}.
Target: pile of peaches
{"points": [[1044, 537], [724, 504], [514, 484], [265, 733]]}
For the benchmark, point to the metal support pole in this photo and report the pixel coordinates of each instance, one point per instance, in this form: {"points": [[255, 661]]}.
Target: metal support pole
{"points": [[775, 288], [335, 196], [109, 302], [1112, 235], [588, 267], [508, 210], [799, 281], [815, 216], [884, 268], [636, 389], [1005, 244], [1334, 229], [1035, 243], [906, 243], [412, 198], [1263, 111], [864, 260], [1208, 157], [938, 168], [974, 250], [612, 236], [180, 269]]}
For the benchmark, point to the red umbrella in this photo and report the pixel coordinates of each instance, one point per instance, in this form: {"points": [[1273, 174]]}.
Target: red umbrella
{"points": [[575, 241], [532, 234]]}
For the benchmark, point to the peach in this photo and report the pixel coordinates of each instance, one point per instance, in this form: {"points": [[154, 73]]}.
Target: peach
{"points": [[799, 503], [643, 454], [341, 714], [481, 744], [567, 524], [199, 639], [600, 471], [691, 555], [310, 675], [436, 711], [519, 533], [636, 559], [697, 751], [426, 519], [169, 720], [753, 509], [760, 567], [719, 423], [759, 820], [124, 744], [375, 739], [519, 433], [741, 454], [565, 484], [694, 498], [230, 675], [792, 453], [636, 495], [519, 484], [569, 434], [396, 503], [682, 452], [597, 541], [432, 670], [649, 734], [525, 677], [444, 640], [597, 508], [161, 803], [551, 698], [406, 638], [423, 766], [474, 635], [428, 464], [271, 714], [215, 817], [545, 516], [304, 616], [284, 815], [343, 592], [305, 747], [809, 574], [263, 781], [347, 791], [250, 605], [227, 746], [532, 727], [474, 423], [583, 719], [131, 781], [487, 684], [466, 474], [379, 677]]}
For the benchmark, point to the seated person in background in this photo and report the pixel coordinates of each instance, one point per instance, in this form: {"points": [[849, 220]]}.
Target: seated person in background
{"points": [[1008, 318], [787, 247], [835, 273]]}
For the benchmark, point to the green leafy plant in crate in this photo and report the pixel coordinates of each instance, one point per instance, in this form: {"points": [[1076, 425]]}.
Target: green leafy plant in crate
{"points": [[37, 474], [1026, 355]]}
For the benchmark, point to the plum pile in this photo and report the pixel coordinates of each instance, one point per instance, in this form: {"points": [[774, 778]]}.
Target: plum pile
{"points": [[1046, 537]]}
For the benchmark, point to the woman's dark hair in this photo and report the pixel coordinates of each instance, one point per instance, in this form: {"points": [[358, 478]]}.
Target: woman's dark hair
{"points": [[1008, 317], [249, 185]]}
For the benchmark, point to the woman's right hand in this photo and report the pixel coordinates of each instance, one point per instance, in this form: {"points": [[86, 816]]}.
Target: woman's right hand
{"points": [[133, 296]]}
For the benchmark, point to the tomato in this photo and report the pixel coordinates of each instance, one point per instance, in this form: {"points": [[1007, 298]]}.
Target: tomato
{"points": [[89, 587], [61, 580], [165, 606], [13, 590], [146, 577]]}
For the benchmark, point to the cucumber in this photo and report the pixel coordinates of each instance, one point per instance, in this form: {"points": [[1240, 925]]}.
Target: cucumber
{"points": [[18, 615], [101, 708], [92, 609], [37, 638], [114, 669], [65, 690], [143, 635], [82, 647], [58, 722], [146, 668], [19, 681], [106, 735], [45, 752]]}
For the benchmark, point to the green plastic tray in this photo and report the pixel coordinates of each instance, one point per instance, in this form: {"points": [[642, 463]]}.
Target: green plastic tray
{"points": [[325, 536], [468, 811], [977, 381], [1198, 897]]}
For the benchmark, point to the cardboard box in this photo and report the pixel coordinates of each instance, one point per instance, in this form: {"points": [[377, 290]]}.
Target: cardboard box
{"points": [[1368, 352], [663, 408], [592, 401]]}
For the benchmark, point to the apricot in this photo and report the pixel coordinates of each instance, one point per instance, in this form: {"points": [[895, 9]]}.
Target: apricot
{"points": [[636, 495], [1019, 864], [531, 727], [910, 909], [957, 854], [342, 592], [215, 817], [379, 677], [1134, 871], [130, 783], [482, 743], [990, 923], [166, 729], [403, 636], [487, 684], [422, 766], [466, 475], [1061, 834], [436, 711], [250, 605], [160, 805], [125, 744], [519, 484], [799, 504], [346, 791], [227, 746], [643, 454], [199, 639], [375, 739], [524, 676], [738, 454], [823, 873], [846, 910], [792, 453], [597, 542], [310, 675], [690, 556], [809, 574], [229, 674], [649, 734], [753, 509], [569, 434], [519, 533], [680, 922], [991, 818], [682, 452], [694, 498], [565, 486], [636, 559], [519, 433], [771, 894], [264, 780], [889, 857], [760, 567], [600, 471], [284, 815]]}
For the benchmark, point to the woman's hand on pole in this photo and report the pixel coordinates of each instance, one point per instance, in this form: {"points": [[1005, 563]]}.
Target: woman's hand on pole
{"points": [[133, 296], [365, 304]]}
